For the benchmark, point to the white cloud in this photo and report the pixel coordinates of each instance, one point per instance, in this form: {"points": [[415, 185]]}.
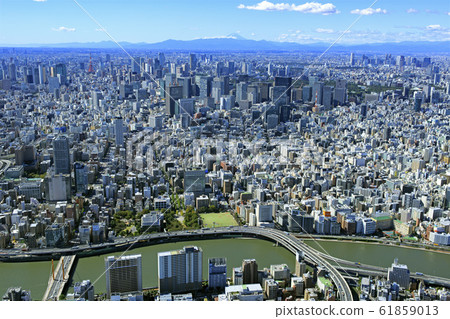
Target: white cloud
{"points": [[99, 30], [40, 0], [368, 11], [412, 10], [321, 30], [308, 7], [434, 27], [64, 29]]}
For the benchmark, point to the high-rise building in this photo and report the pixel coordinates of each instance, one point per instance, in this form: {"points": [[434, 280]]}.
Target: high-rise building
{"points": [[173, 94], [399, 273], [123, 274], [118, 131], [180, 270], [61, 72], [352, 59], [61, 156], [81, 177], [187, 106], [317, 92], [241, 91], [249, 271], [162, 59], [194, 181], [96, 97], [217, 273], [192, 61], [418, 99], [327, 96], [284, 81]]}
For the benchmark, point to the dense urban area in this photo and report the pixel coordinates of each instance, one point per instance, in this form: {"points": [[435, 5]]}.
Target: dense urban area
{"points": [[102, 151]]}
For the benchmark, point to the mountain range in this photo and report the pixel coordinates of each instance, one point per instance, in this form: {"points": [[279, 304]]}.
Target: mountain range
{"points": [[235, 42]]}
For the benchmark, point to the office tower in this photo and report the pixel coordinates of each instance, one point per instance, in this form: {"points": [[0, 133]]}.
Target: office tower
{"points": [[300, 266], [96, 97], [327, 96], [217, 273], [173, 94], [61, 72], [61, 156], [192, 61], [307, 93], [227, 102], [12, 72], [249, 271], [241, 91], [41, 73], [418, 99], [426, 62], [399, 273], [123, 274], [231, 67], [81, 177], [57, 187], [386, 133], [118, 131], [170, 79], [278, 95], [180, 270], [162, 59], [352, 59], [218, 89], [185, 82], [204, 85], [363, 110], [317, 92], [194, 181], [187, 106], [286, 82], [135, 68]]}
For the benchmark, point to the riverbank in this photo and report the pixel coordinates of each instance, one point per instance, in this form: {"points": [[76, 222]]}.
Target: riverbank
{"points": [[400, 245]]}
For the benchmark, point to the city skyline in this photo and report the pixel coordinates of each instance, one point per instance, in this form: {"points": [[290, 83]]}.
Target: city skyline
{"points": [[294, 21]]}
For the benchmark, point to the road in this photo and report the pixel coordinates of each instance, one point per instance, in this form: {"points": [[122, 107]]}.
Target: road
{"points": [[56, 286], [288, 241]]}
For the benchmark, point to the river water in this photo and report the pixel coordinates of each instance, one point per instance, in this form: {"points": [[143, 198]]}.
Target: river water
{"points": [[34, 276]]}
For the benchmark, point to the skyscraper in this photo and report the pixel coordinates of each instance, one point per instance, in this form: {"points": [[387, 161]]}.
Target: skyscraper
{"points": [[123, 274], [217, 273], [180, 270], [118, 131], [192, 61], [249, 271], [317, 92], [61, 70], [352, 59], [173, 94], [286, 82], [61, 155]]}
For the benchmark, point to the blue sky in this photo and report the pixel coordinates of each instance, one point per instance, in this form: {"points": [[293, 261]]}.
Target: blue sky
{"points": [[57, 21]]}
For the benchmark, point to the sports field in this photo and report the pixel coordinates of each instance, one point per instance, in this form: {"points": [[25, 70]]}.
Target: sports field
{"points": [[220, 219]]}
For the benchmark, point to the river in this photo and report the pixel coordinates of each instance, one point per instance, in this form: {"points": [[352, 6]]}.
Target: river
{"points": [[34, 276]]}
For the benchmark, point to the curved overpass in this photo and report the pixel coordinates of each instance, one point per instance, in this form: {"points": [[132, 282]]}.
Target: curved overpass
{"points": [[286, 240]]}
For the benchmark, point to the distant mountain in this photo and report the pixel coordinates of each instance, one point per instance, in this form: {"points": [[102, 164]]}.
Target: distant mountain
{"points": [[235, 42]]}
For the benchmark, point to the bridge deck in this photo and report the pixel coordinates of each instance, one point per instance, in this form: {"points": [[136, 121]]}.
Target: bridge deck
{"points": [[62, 276]]}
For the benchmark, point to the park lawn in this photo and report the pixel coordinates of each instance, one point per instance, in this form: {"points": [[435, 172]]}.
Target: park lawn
{"points": [[221, 220]]}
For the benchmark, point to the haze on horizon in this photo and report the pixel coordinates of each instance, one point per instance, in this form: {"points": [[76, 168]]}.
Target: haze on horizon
{"points": [[62, 21]]}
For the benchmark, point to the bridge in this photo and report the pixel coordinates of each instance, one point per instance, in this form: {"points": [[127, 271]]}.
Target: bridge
{"points": [[59, 278], [285, 239]]}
